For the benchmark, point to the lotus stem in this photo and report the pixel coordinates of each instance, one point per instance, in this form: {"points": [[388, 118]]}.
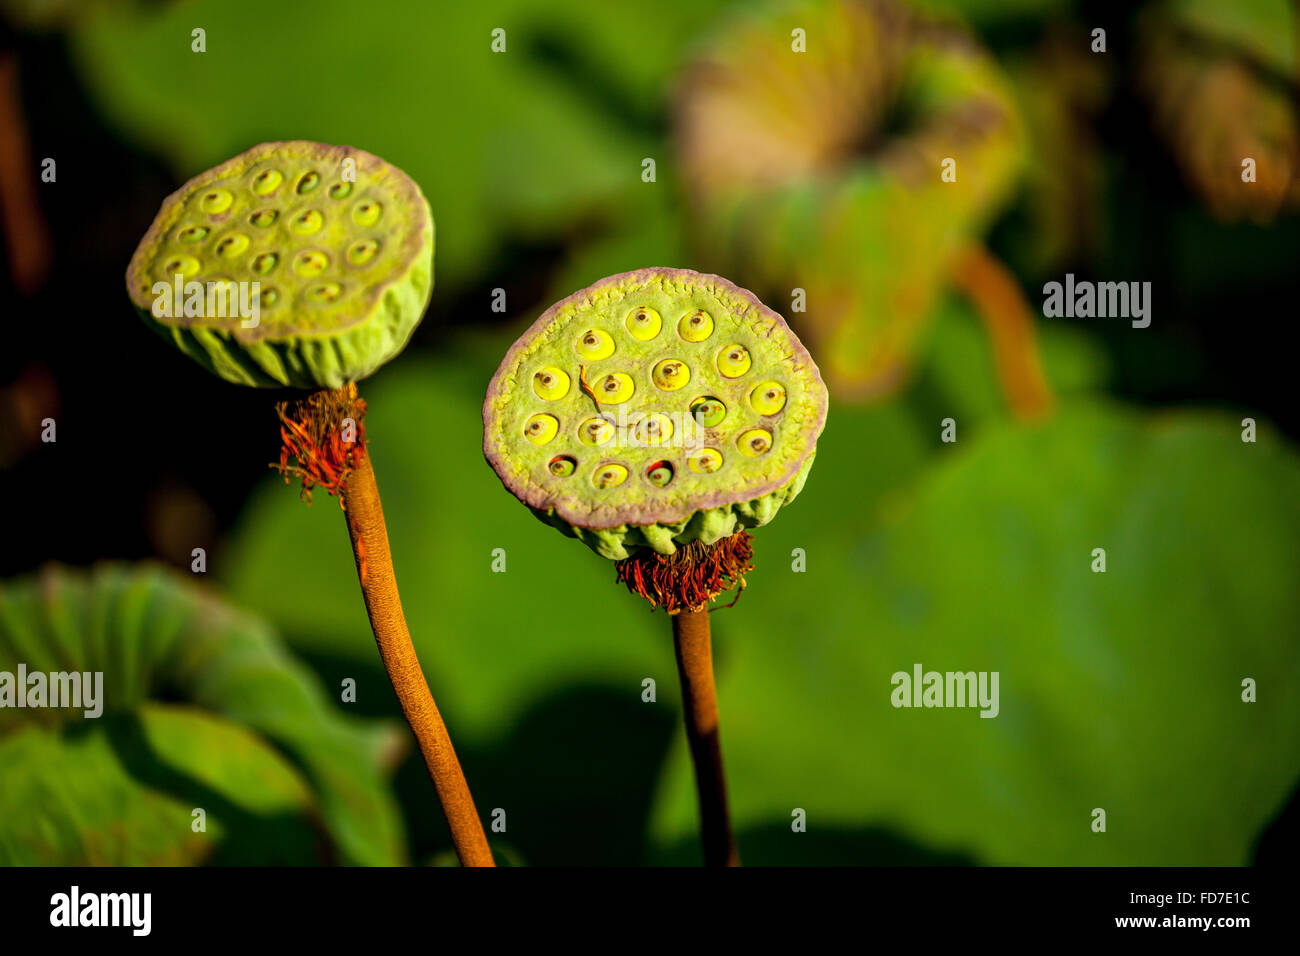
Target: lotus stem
{"points": [[700, 702]]}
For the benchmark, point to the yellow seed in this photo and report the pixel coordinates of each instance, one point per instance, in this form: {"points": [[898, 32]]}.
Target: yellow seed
{"points": [[653, 429], [595, 344], [325, 292], [562, 466], [659, 473], [233, 246], [768, 398], [541, 428], [216, 201], [695, 326], [596, 431], [755, 442], [733, 361], [310, 263], [708, 411], [263, 218], [340, 191], [307, 222], [193, 234], [265, 263], [308, 182], [705, 461], [644, 323], [551, 383], [362, 251], [367, 214], [268, 298], [672, 374], [181, 265], [615, 388], [609, 476], [267, 181]]}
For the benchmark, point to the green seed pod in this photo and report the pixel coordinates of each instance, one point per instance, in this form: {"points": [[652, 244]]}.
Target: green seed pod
{"points": [[344, 267], [659, 442]]}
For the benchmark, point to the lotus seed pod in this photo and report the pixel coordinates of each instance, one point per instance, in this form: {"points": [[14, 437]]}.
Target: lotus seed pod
{"points": [[671, 435], [793, 188], [343, 265]]}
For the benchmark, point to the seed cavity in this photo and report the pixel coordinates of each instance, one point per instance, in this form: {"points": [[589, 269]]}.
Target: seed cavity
{"points": [[264, 264], [193, 234], [615, 388], [734, 361], [595, 344], [310, 262], [367, 214], [362, 251], [309, 181], [324, 293], [768, 398], [695, 326], [232, 246], [596, 432], [652, 430], [181, 265], [268, 297], [340, 191], [644, 323], [562, 466], [307, 223], [671, 374], [705, 461], [264, 218], [659, 473], [755, 442], [551, 383], [609, 475], [708, 411], [541, 428], [267, 182], [216, 201]]}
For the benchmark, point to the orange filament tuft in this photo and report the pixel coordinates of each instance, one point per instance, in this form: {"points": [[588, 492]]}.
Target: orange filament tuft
{"points": [[325, 436], [691, 577]]}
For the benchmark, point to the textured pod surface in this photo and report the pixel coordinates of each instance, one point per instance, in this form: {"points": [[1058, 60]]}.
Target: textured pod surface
{"points": [[654, 408], [343, 265], [842, 195]]}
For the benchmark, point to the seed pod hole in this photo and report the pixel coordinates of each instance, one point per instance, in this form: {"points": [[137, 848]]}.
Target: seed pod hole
{"points": [[540, 429], [324, 293], [361, 252], [216, 201], [562, 466], [705, 461], [307, 223], [767, 398], [310, 262], [652, 430], [695, 326], [268, 297], [267, 182], [755, 442], [644, 323], [659, 473], [263, 218], [367, 213], [615, 388], [671, 374], [264, 263], [596, 431], [734, 361], [551, 383], [181, 265], [340, 191], [609, 475], [193, 234], [708, 411], [595, 344], [232, 246], [308, 182]]}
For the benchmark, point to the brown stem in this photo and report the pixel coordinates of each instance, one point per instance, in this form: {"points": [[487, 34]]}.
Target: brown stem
{"points": [[27, 235], [997, 296], [365, 517], [700, 702]]}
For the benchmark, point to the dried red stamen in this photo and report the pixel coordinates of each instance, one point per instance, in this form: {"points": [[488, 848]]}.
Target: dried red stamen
{"points": [[325, 435], [691, 577]]}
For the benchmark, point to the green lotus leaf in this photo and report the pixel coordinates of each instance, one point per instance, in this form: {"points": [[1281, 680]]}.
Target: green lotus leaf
{"points": [[200, 707], [293, 263], [655, 408]]}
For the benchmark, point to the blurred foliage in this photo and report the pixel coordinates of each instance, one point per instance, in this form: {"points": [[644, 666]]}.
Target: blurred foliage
{"points": [[1118, 690], [202, 708]]}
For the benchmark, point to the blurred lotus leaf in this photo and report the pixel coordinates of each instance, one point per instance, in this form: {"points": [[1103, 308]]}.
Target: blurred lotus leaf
{"points": [[524, 143], [854, 170], [1223, 80], [983, 565], [201, 709]]}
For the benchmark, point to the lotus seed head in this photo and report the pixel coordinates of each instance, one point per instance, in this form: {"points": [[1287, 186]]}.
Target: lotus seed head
{"points": [[674, 439], [352, 262]]}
